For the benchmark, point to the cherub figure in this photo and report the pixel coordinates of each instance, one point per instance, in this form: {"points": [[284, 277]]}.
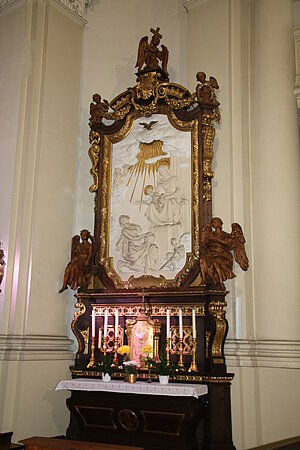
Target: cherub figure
{"points": [[217, 263], [149, 54], [205, 91], [77, 272], [98, 109]]}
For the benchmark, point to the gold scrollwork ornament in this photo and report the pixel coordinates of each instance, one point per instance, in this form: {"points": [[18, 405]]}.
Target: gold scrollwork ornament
{"points": [[94, 151], [216, 309]]}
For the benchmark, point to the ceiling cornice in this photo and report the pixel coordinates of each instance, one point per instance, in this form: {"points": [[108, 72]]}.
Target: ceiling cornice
{"points": [[75, 7]]}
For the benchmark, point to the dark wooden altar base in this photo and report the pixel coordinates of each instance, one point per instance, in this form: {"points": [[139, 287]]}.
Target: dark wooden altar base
{"points": [[152, 422]]}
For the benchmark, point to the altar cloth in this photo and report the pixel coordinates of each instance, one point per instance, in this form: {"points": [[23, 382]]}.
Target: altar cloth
{"points": [[140, 387]]}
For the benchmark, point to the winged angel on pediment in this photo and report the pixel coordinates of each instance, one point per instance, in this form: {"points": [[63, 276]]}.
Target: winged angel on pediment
{"points": [[149, 53], [217, 263]]}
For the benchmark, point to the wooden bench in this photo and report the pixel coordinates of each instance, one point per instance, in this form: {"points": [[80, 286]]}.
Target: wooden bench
{"points": [[40, 443]]}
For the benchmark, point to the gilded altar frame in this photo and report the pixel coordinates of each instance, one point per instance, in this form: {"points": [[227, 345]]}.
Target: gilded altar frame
{"points": [[148, 258]]}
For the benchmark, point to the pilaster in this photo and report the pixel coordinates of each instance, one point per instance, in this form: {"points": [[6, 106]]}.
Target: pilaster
{"points": [[275, 171], [33, 328]]}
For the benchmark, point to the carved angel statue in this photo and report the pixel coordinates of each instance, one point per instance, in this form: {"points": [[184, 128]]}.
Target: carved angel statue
{"points": [[217, 263], [2, 265], [149, 54], [205, 91], [98, 109], [78, 271]]}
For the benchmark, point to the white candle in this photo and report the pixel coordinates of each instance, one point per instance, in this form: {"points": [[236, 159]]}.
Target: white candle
{"points": [[194, 323], [180, 324], [116, 323], [168, 324], [105, 322], [93, 323]]}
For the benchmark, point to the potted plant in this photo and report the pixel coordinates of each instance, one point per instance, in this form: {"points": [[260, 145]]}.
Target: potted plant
{"points": [[105, 365], [164, 369]]}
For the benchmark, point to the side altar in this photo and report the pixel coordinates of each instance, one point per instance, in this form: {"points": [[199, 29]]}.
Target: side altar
{"points": [[151, 277]]}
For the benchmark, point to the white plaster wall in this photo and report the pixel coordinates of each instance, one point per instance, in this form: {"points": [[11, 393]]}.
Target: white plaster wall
{"points": [[34, 352], [296, 12], [30, 404], [12, 30], [218, 46], [110, 45], [265, 405], [262, 411]]}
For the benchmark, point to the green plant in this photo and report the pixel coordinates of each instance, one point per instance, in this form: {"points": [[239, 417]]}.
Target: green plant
{"points": [[105, 364], [162, 367]]}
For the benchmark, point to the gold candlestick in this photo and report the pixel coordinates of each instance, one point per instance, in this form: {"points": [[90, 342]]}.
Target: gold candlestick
{"points": [[105, 339], [168, 348], [92, 360], [157, 326], [181, 353], [116, 346], [193, 366]]}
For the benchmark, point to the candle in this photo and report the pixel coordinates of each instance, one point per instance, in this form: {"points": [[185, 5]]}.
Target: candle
{"points": [[105, 322], [116, 323], [93, 323], [168, 324], [180, 324], [194, 323]]}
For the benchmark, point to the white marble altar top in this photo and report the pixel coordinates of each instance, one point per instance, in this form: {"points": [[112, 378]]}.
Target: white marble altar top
{"points": [[140, 387]]}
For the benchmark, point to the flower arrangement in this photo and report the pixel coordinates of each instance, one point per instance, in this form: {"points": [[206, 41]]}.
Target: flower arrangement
{"points": [[146, 354], [147, 351], [130, 366], [124, 351], [105, 364], [145, 358], [163, 367]]}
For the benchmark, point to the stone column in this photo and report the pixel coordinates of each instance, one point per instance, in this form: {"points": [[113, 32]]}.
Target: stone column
{"points": [[275, 172], [34, 349]]}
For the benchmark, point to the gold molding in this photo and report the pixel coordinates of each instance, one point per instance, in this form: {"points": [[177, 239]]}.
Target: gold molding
{"points": [[185, 378], [94, 151], [216, 309], [77, 314], [156, 310]]}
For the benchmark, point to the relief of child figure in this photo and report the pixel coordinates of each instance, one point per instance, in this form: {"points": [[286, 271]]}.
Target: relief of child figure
{"points": [[154, 196], [119, 179], [176, 258]]}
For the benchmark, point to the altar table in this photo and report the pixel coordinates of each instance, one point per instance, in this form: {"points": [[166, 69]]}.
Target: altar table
{"points": [[152, 416]]}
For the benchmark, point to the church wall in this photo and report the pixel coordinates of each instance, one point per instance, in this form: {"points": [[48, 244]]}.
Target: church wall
{"points": [[31, 407], [265, 405], [254, 65], [34, 348], [12, 24]]}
